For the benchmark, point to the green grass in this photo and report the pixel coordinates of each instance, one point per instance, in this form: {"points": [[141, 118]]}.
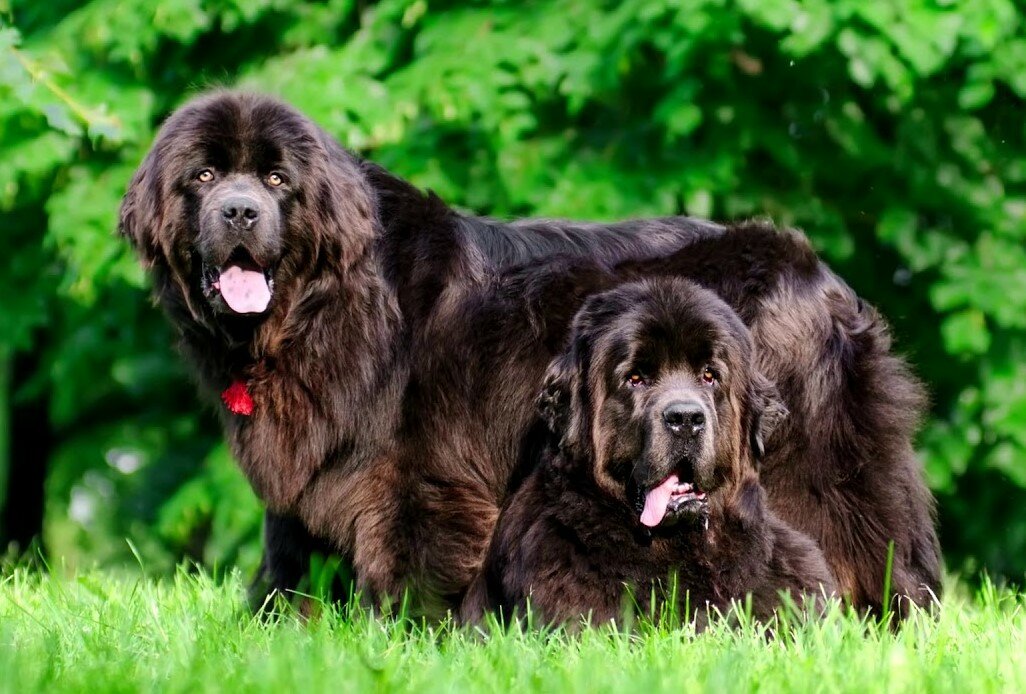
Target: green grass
{"points": [[101, 632]]}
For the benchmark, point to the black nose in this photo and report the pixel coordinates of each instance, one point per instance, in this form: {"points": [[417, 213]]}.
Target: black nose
{"points": [[240, 212], [683, 418]]}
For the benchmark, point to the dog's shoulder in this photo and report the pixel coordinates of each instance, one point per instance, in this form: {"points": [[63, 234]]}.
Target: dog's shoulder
{"points": [[797, 562]]}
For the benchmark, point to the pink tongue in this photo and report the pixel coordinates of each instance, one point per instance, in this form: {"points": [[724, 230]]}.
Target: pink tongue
{"points": [[245, 291], [656, 501]]}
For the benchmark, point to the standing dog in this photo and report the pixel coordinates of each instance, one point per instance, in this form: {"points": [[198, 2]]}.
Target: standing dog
{"points": [[378, 353]]}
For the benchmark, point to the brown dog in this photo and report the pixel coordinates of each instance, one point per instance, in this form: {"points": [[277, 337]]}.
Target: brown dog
{"points": [[379, 353], [658, 417]]}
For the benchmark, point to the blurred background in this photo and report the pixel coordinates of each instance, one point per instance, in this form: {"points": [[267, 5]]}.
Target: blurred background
{"points": [[891, 131]]}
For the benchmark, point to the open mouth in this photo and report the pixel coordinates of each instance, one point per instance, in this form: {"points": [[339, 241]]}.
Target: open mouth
{"points": [[242, 283], [675, 497]]}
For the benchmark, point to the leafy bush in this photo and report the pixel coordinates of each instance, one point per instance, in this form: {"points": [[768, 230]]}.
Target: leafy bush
{"points": [[891, 132]]}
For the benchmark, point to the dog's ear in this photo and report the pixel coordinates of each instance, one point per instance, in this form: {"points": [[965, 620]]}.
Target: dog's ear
{"points": [[767, 412], [151, 221], [559, 403], [342, 214], [140, 217], [554, 400]]}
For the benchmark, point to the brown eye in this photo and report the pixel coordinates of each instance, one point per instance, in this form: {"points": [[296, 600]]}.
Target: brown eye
{"points": [[636, 380], [709, 376], [275, 179], [205, 176]]}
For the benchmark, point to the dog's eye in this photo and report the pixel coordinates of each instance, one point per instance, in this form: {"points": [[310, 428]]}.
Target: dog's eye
{"points": [[205, 176], [709, 376], [275, 179], [636, 380]]}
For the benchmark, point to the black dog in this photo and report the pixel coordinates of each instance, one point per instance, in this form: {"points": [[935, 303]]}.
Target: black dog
{"points": [[657, 416], [378, 353]]}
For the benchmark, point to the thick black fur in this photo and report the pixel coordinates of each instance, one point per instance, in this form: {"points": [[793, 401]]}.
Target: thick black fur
{"points": [[395, 371], [569, 543]]}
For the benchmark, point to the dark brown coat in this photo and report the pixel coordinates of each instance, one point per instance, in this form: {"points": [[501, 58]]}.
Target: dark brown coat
{"points": [[658, 380], [395, 369]]}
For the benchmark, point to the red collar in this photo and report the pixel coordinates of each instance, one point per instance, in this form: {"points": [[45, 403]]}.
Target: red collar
{"points": [[237, 398]]}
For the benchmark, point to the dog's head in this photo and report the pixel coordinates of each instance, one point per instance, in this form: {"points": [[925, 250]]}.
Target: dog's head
{"points": [[238, 196], [658, 393]]}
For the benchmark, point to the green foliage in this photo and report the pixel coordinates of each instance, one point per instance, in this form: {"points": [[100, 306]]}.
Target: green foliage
{"points": [[97, 632], [891, 132]]}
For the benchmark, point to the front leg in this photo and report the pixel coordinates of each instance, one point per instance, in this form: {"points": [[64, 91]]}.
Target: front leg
{"points": [[763, 556], [288, 549]]}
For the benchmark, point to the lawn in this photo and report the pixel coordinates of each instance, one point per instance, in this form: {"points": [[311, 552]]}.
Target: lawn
{"points": [[101, 632]]}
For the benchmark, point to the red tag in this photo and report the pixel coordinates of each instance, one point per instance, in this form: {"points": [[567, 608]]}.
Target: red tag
{"points": [[238, 399]]}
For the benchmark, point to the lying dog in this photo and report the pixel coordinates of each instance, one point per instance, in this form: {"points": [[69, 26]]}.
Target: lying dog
{"points": [[375, 354], [658, 418]]}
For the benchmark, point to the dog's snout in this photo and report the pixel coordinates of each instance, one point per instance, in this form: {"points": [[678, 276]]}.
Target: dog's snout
{"points": [[684, 418], [240, 212]]}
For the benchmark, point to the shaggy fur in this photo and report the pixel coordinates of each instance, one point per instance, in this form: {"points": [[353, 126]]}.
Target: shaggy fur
{"points": [[394, 371], [657, 381]]}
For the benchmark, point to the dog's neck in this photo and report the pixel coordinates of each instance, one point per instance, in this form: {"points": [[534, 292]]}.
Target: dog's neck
{"points": [[312, 320]]}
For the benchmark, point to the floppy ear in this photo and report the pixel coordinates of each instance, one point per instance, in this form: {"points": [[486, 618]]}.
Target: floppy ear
{"points": [[554, 400], [148, 219], [767, 412], [559, 403], [140, 216], [342, 206]]}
